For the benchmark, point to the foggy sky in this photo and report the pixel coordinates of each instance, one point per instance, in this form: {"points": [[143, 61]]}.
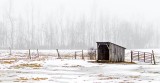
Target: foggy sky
{"points": [[78, 24]]}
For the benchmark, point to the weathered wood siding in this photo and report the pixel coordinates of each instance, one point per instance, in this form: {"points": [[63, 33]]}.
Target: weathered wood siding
{"points": [[117, 53]]}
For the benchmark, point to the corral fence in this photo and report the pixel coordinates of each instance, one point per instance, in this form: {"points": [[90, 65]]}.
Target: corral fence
{"points": [[65, 54], [78, 54], [147, 57], [36, 54]]}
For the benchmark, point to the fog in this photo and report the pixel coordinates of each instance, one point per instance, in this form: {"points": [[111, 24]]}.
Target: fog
{"points": [[79, 24]]}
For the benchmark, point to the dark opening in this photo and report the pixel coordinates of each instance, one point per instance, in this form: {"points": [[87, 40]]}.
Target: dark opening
{"points": [[103, 52]]}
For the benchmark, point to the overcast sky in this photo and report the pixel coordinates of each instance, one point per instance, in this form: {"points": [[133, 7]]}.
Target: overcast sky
{"points": [[68, 15], [137, 10]]}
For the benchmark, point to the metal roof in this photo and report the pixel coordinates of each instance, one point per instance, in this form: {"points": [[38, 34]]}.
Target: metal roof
{"points": [[110, 43]]}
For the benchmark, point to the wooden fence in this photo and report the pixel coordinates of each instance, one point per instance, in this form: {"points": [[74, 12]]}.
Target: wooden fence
{"points": [[77, 52], [146, 57], [33, 55]]}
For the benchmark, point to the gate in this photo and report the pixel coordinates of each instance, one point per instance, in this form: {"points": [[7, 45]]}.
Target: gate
{"points": [[146, 57]]}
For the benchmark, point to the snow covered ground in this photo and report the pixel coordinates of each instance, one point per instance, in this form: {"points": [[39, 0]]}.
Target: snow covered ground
{"points": [[47, 69]]}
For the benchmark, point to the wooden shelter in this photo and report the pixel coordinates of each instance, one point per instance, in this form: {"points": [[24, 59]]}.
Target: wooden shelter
{"points": [[110, 52]]}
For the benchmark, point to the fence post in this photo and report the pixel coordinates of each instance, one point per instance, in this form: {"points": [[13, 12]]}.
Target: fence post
{"points": [[75, 55], [82, 55], [138, 55], [144, 56], [131, 56], [58, 54], [29, 54], [38, 53], [153, 57], [95, 54]]}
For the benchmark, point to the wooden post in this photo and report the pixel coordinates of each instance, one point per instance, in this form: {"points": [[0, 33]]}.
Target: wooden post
{"points": [[144, 56], [131, 56], [38, 53], [95, 54], [90, 56], [58, 54], [29, 54], [138, 55], [153, 57], [82, 55], [75, 55]]}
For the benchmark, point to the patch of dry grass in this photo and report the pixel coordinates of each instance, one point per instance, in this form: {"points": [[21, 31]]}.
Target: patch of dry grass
{"points": [[38, 79], [7, 62], [108, 62], [67, 55], [108, 78], [33, 65], [25, 79], [126, 82], [134, 76], [13, 58], [130, 62], [102, 77], [22, 78]]}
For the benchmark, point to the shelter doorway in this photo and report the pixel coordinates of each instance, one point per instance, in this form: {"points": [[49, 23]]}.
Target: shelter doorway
{"points": [[103, 52]]}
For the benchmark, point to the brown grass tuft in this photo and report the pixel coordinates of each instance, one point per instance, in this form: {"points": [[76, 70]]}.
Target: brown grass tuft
{"points": [[38, 79], [22, 78], [7, 62], [33, 65]]}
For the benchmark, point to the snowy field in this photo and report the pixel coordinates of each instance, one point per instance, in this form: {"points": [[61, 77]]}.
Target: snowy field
{"points": [[17, 68]]}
